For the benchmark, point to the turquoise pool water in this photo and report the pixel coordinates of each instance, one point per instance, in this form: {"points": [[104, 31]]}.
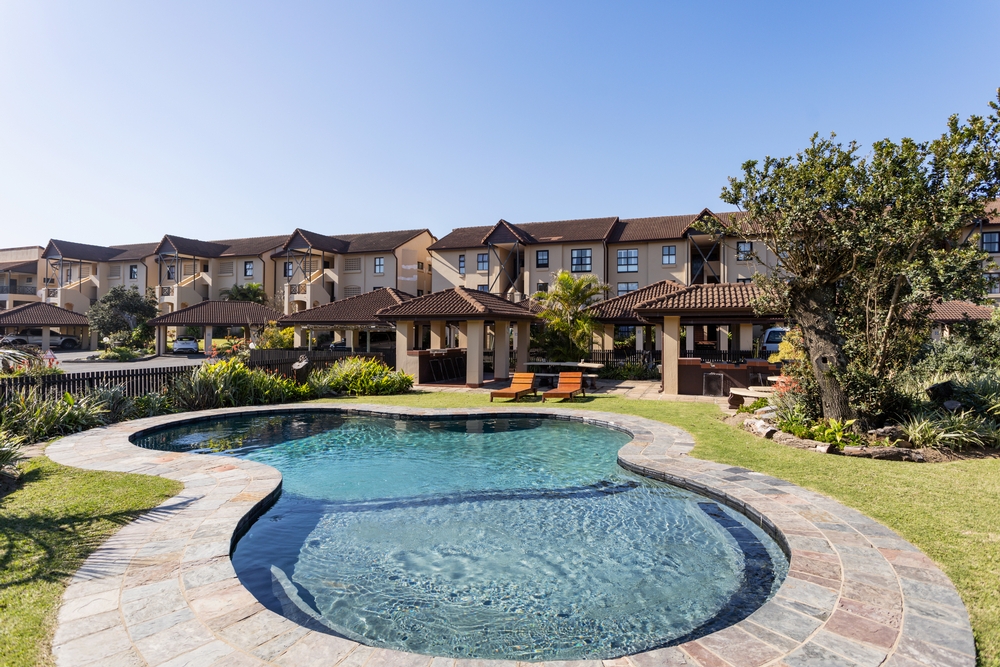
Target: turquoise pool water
{"points": [[499, 538]]}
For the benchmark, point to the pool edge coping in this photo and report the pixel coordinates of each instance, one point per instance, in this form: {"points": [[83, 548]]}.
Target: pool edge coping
{"points": [[162, 591]]}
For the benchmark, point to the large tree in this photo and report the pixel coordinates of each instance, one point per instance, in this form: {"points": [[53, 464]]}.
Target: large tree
{"points": [[569, 325], [122, 311], [865, 244]]}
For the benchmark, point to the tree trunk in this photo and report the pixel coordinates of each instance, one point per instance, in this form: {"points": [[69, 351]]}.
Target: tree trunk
{"points": [[824, 347]]}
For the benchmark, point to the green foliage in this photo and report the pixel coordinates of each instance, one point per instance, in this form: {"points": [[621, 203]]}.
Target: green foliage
{"points": [[628, 371], [119, 354], [275, 338], [37, 418], [958, 431], [570, 326], [867, 244], [230, 383], [121, 312], [10, 452], [249, 292], [753, 407], [359, 376]]}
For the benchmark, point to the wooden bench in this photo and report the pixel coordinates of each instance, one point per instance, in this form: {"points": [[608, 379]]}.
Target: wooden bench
{"points": [[737, 396]]}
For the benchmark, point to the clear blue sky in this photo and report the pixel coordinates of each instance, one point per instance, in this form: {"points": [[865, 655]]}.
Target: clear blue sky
{"points": [[120, 121]]}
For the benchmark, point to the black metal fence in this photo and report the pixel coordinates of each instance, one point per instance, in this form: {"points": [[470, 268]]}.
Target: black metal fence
{"points": [[135, 382], [722, 356]]}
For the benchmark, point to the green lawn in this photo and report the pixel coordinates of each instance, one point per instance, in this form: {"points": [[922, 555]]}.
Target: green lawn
{"points": [[950, 510], [48, 527]]}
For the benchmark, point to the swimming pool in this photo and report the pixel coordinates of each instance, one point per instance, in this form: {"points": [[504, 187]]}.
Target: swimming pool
{"points": [[515, 538]]}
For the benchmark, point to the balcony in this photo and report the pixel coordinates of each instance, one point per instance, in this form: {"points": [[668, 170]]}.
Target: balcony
{"points": [[297, 289], [18, 289], [166, 290]]}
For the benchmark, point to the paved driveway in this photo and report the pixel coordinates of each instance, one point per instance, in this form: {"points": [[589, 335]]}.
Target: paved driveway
{"points": [[75, 361]]}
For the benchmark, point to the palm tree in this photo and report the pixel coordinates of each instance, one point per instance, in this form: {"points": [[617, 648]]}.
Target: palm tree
{"points": [[248, 292], [570, 326]]}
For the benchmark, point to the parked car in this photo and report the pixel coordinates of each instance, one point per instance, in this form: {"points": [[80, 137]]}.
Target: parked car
{"points": [[34, 337], [187, 344], [772, 338]]}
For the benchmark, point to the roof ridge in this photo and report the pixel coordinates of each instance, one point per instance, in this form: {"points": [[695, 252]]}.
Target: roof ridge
{"points": [[469, 296]]}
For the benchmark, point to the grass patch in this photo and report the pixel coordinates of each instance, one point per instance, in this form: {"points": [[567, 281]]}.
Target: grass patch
{"points": [[951, 511], [48, 527]]}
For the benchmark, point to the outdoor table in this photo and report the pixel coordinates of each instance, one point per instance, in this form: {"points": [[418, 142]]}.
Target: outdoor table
{"points": [[568, 364]]}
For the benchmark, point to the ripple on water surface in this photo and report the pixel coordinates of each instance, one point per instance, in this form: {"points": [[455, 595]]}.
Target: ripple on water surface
{"points": [[502, 538]]}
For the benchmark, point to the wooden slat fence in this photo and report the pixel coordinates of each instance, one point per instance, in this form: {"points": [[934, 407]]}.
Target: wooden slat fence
{"points": [[135, 382]]}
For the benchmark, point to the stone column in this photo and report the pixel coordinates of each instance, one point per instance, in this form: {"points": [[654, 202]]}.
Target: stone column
{"points": [[208, 340], [474, 332], [746, 336], [723, 337], [523, 343], [501, 350], [608, 337], [46, 337], [404, 361], [657, 338], [161, 340], [437, 335], [640, 332], [689, 338], [671, 353], [350, 335]]}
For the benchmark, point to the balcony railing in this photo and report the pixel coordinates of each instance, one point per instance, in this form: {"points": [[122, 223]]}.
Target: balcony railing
{"points": [[166, 291], [17, 289], [52, 293], [297, 289]]}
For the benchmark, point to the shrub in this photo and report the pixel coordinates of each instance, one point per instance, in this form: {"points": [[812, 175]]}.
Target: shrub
{"points": [[10, 453], [230, 383], [119, 354], [628, 371], [37, 418], [360, 377], [958, 431], [753, 407], [273, 338]]}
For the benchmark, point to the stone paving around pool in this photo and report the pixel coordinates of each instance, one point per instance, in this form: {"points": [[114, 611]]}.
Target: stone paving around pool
{"points": [[163, 591]]}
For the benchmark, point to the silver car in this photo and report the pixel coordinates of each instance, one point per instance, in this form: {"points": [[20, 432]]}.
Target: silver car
{"points": [[187, 344]]}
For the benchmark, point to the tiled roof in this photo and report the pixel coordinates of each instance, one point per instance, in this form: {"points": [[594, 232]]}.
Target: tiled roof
{"points": [[621, 309], [354, 243], [713, 297], [21, 266], [192, 247], [219, 314], [79, 251], [41, 314], [651, 229], [558, 231], [359, 309], [251, 246], [135, 251], [949, 312], [457, 303]]}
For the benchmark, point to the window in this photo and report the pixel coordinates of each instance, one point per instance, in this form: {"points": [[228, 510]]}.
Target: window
{"points": [[379, 266], [420, 266], [171, 273], [85, 270], [115, 271], [289, 269], [580, 260], [248, 269], [352, 264], [669, 255], [991, 241], [775, 336], [625, 288], [327, 264], [744, 251], [204, 268], [188, 268], [624, 333], [420, 292], [744, 281], [541, 259], [351, 290], [543, 287], [993, 281], [483, 288], [227, 268], [628, 261], [461, 265], [483, 261]]}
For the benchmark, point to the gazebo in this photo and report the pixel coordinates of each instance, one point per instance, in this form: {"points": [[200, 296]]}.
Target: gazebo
{"points": [[348, 317], [945, 314], [727, 306], [471, 311], [210, 314], [620, 311], [46, 315]]}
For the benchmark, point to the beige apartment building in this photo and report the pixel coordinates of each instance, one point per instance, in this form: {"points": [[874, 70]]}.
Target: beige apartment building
{"points": [[518, 260], [19, 276]]}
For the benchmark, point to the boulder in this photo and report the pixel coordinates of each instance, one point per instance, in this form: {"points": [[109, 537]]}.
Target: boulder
{"points": [[885, 453], [941, 392], [952, 406], [760, 427], [894, 435]]}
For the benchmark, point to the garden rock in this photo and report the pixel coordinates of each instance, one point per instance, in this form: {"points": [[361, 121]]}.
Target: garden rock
{"points": [[951, 406], [885, 453], [798, 443], [767, 414], [942, 391], [760, 427], [893, 434]]}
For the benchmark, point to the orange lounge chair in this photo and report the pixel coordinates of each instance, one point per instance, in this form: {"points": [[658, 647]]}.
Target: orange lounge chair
{"points": [[570, 384], [522, 385]]}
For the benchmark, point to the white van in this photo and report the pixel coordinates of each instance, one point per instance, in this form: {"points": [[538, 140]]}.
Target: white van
{"points": [[771, 339]]}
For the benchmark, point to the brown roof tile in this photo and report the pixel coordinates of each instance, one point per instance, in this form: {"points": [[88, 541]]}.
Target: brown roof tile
{"points": [[354, 243], [695, 298], [41, 315], [950, 312], [21, 266], [135, 251], [251, 246], [359, 309], [621, 309], [79, 251], [219, 314], [192, 247], [557, 231], [457, 303]]}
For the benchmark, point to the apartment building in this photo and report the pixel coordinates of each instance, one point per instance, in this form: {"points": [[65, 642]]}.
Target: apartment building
{"points": [[318, 269], [988, 231], [19, 282], [628, 254]]}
